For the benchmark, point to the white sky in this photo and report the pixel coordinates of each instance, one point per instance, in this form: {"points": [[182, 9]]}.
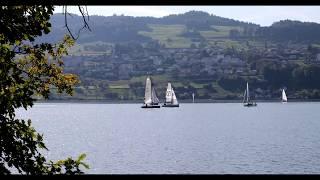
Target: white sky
{"points": [[263, 15]]}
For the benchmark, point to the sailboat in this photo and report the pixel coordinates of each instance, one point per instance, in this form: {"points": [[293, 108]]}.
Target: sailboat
{"points": [[150, 97], [171, 99], [246, 100], [284, 96]]}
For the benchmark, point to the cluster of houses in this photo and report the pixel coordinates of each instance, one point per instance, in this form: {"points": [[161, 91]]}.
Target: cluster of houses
{"points": [[188, 63], [291, 53], [182, 62], [177, 61]]}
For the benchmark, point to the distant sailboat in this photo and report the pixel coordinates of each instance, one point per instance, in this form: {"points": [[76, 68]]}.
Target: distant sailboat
{"points": [[284, 96], [150, 97], [171, 99], [192, 97], [246, 99]]}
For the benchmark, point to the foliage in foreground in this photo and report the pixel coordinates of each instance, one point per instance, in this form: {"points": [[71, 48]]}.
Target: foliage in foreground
{"points": [[28, 69]]}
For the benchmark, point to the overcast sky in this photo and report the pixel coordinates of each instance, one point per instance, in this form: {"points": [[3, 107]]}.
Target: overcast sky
{"points": [[263, 15]]}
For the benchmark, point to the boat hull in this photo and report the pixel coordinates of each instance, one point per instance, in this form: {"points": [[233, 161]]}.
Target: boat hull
{"points": [[250, 104], [150, 106], [170, 105]]}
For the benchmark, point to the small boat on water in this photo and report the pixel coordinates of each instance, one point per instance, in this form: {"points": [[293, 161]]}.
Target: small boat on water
{"points": [[247, 102], [284, 96], [171, 99], [150, 97], [192, 97]]}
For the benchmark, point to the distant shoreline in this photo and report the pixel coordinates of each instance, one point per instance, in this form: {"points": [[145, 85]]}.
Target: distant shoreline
{"points": [[181, 101]]}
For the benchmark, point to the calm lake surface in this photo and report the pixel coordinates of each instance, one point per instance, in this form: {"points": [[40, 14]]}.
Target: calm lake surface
{"points": [[212, 138]]}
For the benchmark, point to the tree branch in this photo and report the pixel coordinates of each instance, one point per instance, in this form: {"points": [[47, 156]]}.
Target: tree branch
{"points": [[84, 13]]}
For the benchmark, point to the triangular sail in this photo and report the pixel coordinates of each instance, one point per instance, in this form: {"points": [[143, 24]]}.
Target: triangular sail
{"points": [[284, 96], [245, 96], [174, 98], [148, 93], [154, 97], [169, 93], [246, 99]]}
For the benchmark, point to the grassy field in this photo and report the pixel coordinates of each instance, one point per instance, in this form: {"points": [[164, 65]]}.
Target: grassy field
{"points": [[219, 36], [168, 35], [219, 89], [79, 49], [155, 78], [227, 28], [219, 32], [196, 85], [120, 86]]}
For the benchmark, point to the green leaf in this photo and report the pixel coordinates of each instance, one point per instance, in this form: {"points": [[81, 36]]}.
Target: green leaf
{"points": [[60, 162], [17, 42], [81, 157]]}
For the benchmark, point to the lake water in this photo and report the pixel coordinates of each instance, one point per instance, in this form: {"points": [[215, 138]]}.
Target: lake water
{"points": [[221, 138]]}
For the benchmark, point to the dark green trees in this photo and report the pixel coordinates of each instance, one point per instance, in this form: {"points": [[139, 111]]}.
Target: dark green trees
{"points": [[27, 69]]}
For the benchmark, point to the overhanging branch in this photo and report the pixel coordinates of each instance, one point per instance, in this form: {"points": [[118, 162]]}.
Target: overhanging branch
{"points": [[84, 14]]}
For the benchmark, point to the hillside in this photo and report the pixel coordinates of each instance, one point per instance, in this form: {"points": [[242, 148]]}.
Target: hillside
{"points": [[287, 30], [193, 25], [209, 55], [125, 28]]}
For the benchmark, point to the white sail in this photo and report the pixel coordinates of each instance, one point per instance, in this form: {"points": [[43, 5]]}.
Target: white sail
{"points": [[154, 97], [247, 93], [246, 99], [192, 97], [169, 93], [174, 98], [244, 96], [284, 96], [147, 93]]}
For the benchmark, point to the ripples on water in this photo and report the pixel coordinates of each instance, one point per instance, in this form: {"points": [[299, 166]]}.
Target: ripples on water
{"points": [[195, 138]]}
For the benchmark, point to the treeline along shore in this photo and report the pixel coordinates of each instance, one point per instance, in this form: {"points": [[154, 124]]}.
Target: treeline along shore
{"points": [[181, 101]]}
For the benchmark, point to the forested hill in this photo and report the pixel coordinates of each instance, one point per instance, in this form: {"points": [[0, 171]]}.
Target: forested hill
{"points": [[200, 20], [288, 30], [126, 28], [119, 28]]}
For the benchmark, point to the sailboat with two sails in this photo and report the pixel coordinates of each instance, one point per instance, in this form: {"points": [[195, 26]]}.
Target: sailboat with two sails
{"points": [[247, 101], [150, 97], [171, 99]]}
